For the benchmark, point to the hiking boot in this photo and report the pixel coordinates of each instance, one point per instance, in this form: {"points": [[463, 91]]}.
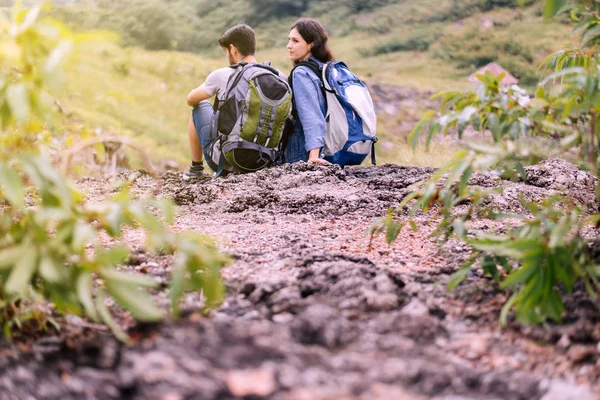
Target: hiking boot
{"points": [[195, 171]]}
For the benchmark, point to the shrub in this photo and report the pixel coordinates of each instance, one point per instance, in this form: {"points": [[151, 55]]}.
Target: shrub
{"points": [[474, 49], [543, 256], [416, 41], [49, 237]]}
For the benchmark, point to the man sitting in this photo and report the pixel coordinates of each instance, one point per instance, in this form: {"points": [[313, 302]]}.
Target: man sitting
{"points": [[239, 44]]}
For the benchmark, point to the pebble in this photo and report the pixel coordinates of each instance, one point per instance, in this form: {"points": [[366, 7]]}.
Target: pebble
{"points": [[478, 347], [564, 342], [283, 318], [561, 390], [246, 383], [415, 308], [579, 353]]}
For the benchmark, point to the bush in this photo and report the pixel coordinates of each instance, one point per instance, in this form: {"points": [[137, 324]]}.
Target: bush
{"points": [[49, 237], [539, 259], [415, 41], [474, 49]]}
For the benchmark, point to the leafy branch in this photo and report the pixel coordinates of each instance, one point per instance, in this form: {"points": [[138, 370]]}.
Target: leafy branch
{"points": [[50, 239], [540, 256]]}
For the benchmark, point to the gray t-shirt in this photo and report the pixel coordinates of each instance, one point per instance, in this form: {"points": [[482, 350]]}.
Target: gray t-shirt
{"points": [[216, 82]]}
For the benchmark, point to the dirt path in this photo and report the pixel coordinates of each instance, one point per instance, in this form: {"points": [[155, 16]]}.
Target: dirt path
{"points": [[310, 314]]}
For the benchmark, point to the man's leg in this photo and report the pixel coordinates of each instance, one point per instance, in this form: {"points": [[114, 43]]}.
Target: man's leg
{"points": [[195, 146], [201, 139], [196, 169]]}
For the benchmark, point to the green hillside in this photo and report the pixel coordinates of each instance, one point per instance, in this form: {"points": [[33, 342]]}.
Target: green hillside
{"points": [[139, 90]]}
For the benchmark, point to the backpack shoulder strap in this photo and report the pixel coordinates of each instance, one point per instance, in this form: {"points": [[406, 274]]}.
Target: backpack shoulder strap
{"points": [[316, 69], [234, 78], [216, 103], [311, 65]]}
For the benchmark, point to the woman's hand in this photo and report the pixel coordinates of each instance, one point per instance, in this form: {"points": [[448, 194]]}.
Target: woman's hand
{"points": [[313, 157], [318, 161]]}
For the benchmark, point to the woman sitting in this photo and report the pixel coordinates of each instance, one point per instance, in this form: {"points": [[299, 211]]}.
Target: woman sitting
{"points": [[307, 41]]}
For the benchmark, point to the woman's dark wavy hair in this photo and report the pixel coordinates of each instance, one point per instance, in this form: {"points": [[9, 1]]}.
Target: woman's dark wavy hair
{"points": [[313, 32]]}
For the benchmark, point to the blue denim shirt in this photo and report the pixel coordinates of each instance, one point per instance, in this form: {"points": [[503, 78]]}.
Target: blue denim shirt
{"points": [[310, 127]]}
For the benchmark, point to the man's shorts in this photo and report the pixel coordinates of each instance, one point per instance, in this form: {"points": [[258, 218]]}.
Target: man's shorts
{"points": [[202, 116]]}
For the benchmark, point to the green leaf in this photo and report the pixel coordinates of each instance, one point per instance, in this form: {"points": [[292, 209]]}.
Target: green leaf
{"points": [[57, 56], [570, 141], [553, 306], [489, 265], [590, 36], [521, 171], [110, 274], [459, 276], [50, 271], [466, 114], [137, 302], [18, 101], [113, 256], [493, 124], [519, 275], [84, 292], [177, 282], [551, 7], [20, 276], [562, 73], [108, 319], [212, 285], [413, 136], [506, 308], [83, 234], [167, 209], [458, 227], [6, 330], [413, 226], [393, 229], [30, 17], [559, 232], [12, 187], [9, 257], [563, 270], [518, 249], [112, 220], [464, 180]]}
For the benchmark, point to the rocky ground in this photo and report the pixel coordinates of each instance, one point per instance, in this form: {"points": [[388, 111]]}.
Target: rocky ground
{"points": [[314, 312]]}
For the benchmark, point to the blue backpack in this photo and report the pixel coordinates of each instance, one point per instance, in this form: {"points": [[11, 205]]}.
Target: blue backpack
{"points": [[350, 117]]}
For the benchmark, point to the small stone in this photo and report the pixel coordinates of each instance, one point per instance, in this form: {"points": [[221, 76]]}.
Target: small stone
{"points": [[135, 175], [283, 318], [564, 342], [478, 348], [415, 308], [143, 269], [561, 390], [257, 382], [579, 353]]}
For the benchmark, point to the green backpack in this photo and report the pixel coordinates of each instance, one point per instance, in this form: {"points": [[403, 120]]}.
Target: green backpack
{"points": [[250, 120]]}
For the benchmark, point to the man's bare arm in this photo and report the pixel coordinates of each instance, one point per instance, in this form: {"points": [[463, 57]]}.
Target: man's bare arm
{"points": [[196, 96]]}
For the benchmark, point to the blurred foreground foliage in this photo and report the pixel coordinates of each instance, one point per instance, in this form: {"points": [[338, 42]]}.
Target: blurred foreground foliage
{"points": [[539, 256], [50, 239]]}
